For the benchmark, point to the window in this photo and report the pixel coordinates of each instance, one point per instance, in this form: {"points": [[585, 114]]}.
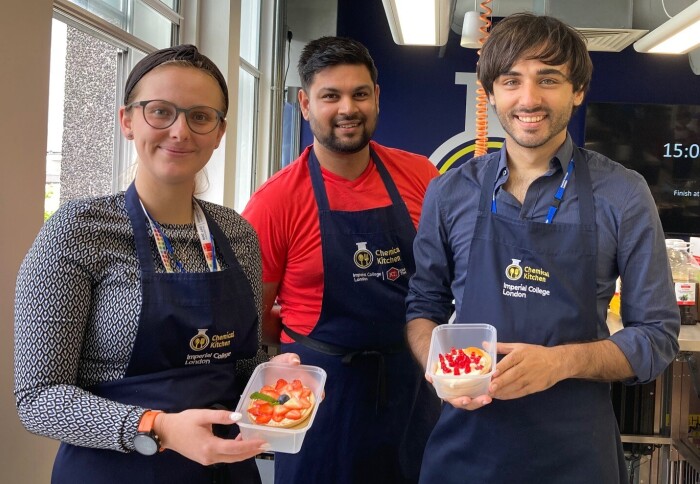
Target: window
{"points": [[248, 90], [82, 103], [94, 44]]}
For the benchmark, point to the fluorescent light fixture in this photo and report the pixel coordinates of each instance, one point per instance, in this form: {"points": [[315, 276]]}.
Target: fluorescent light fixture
{"points": [[418, 22], [678, 35]]}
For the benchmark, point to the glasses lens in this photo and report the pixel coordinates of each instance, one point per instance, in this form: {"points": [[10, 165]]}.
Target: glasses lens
{"points": [[162, 114], [202, 119], [159, 114]]}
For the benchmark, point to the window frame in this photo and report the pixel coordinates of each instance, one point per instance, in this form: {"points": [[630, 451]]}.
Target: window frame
{"points": [[94, 25], [256, 74], [255, 122]]}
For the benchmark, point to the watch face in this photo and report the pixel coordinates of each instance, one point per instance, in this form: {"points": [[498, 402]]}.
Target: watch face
{"points": [[145, 444]]}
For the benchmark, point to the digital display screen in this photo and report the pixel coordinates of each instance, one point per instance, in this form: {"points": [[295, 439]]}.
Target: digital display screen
{"points": [[662, 143]]}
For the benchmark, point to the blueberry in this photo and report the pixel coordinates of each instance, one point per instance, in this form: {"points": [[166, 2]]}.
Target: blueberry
{"points": [[283, 398]]}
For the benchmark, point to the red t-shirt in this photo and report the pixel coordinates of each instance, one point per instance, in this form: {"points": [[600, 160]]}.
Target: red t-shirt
{"points": [[283, 212]]}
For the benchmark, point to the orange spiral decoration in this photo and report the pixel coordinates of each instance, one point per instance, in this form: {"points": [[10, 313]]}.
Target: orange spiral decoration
{"points": [[482, 122]]}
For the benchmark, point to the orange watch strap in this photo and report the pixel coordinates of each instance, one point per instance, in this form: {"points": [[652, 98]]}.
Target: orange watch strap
{"points": [[147, 420]]}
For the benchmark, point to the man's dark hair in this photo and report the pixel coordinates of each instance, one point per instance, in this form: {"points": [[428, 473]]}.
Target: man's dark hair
{"points": [[524, 36], [332, 51]]}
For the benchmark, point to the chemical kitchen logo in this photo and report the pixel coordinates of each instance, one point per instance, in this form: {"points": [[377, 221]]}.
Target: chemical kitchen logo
{"points": [[514, 271], [363, 258], [200, 341]]}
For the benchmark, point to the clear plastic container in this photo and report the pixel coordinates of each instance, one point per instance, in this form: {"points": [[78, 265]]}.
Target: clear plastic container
{"points": [[684, 267], [448, 336], [280, 440]]}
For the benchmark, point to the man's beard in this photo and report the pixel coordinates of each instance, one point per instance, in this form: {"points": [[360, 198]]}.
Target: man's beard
{"points": [[332, 142]]}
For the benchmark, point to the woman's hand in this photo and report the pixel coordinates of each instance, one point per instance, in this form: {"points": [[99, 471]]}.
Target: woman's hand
{"points": [[190, 434], [286, 359]]}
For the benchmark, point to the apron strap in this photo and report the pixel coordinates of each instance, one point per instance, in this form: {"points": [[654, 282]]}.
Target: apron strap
{"points": [[321, 194], [314, 344], [138, 223], [349, 355], [489, 180], [584, 188]]}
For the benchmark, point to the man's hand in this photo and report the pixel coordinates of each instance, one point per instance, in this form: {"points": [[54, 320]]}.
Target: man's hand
{"points": [[466, 403], [525, 369], [529, 368]]}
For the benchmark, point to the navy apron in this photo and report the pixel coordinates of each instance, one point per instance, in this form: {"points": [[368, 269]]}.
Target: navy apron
{"points": [[192, 329], [375, 419], [536, 283]]}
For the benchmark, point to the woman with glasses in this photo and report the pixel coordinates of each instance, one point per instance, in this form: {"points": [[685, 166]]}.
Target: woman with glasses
{"points": [[137, 314]]}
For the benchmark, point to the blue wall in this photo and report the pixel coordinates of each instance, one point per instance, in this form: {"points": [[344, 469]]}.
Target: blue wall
{"points": [[421, 106]]}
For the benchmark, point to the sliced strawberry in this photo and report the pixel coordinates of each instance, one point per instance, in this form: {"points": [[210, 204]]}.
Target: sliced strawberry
{"points": [[265, 409], [254, 410], [305, 403], [296, 385], [293, 403], [281, 383], [280, 410], [263, 419], [269, 391], [306, 393], [293, 415]]}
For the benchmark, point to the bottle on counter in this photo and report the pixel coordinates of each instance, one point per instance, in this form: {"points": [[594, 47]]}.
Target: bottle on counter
{"points": [[685, 271], [614, 317]]}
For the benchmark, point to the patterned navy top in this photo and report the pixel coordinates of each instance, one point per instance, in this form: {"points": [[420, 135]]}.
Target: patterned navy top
{"points": [[77, 306]]}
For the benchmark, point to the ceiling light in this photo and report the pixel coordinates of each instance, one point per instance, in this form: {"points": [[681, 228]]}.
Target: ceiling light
{"points": [[418, 22], [677, 35], [471, 31]]}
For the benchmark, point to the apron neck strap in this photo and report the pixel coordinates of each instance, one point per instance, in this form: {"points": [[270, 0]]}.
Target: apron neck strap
{"points": [[320, 188]]}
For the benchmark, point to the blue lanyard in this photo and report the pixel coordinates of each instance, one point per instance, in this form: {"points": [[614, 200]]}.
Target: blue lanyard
{"points": [[557, 196]]}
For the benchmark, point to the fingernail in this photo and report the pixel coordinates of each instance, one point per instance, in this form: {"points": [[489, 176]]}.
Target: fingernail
{"points": [[296, 360], [236, 416], [265, 447]]}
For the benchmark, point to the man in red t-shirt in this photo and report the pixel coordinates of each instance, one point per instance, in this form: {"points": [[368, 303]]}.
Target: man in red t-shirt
{"points": [[336, 230]]}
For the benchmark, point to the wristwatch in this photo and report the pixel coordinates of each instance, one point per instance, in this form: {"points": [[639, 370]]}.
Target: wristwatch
{"points": [[146, 441]]}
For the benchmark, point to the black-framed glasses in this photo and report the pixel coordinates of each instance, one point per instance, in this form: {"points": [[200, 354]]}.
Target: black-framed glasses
{"points": [[162, 114]]}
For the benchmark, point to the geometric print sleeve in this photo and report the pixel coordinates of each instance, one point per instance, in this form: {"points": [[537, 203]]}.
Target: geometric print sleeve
{"points": [[61, 336], [77, 307]]}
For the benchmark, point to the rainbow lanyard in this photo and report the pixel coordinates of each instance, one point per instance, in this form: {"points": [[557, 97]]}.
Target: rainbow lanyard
{"points": [[557, 196], [165, 248]]}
